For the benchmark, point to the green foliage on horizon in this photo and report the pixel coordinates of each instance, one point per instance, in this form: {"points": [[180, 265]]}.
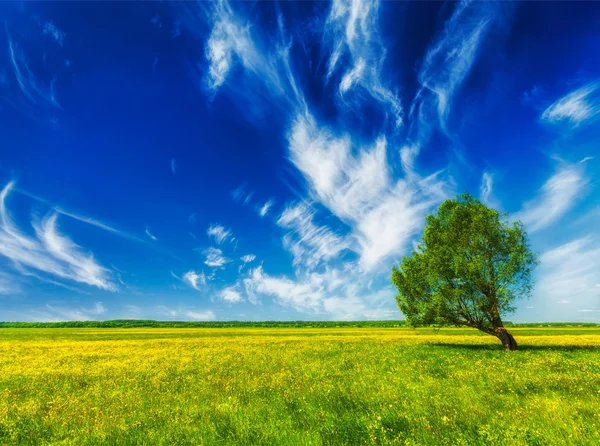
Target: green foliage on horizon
{"points": [[138, 323], [143, 323]]}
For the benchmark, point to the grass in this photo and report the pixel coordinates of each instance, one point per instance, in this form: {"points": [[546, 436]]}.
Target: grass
{"points": [[298, 386]]}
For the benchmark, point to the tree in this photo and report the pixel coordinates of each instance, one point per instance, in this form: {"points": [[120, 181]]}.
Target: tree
{"points": [[470, 267]]}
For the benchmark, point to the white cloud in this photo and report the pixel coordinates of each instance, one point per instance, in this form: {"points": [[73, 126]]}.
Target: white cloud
{"points": [[215, 258], [356, 185], [194, 279], [449, 61], [328, 293], [185, 314], [51, 30], [309, 243], [352, 28], [29, 84], [569, 273], [264, 209], [219, 233], [231, 42], [82, 268], [173, 165], [78, 217], [300, 296], [486, 187], [486, 191], [149, 234], [53, 313], [557, 196], [576, 107], [248, 258], [50, 252], [8, 284], [231, 295], [207, 315], [241, 195]]}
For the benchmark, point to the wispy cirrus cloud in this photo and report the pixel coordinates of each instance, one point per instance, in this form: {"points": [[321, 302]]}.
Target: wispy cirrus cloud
{"points": [[448, 62], [194, 279], [231, 42], [576, 107], [264, 209], [241, 195], [486, 191], [215, 258], [31, 87], [219, 233], [248, 258], [570, 272], [173, 165], [62, 313], [49, 252], [91, 221], [308, 242], [150, 235], [556, 196], [50, 29], [355, 183], [302, 296], [352, 28], [9, 285], [185, 313], [327, 293]]}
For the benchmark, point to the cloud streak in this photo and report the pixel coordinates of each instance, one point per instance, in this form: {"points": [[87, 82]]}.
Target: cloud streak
{"points": [[575, 108], [352, 29], [50, 252], [264, 209], [447, 64], [356, 185], [554, 199], [149, 234], [195, 279], [31, 87], [570, 272], [215, 258], [309, 243], [231, 295], [230, 43], [219, 233]]}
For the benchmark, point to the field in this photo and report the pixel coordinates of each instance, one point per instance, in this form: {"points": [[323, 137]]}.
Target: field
{"points": [[298, 386]]}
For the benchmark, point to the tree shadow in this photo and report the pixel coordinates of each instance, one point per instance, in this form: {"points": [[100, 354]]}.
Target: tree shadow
{"points": [[521, 347]]}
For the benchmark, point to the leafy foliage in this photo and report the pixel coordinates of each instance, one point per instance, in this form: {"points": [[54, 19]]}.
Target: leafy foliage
{"points": [[469, 268]]}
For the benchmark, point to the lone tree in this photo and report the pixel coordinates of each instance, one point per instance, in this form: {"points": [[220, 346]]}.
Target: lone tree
{"points": [[468, 269]]}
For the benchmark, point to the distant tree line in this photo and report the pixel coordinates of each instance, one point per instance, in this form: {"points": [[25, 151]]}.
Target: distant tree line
{"points": [[140, 323]]}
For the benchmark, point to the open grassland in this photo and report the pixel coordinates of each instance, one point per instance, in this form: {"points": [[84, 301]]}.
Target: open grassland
{"points": [[298, 386]]}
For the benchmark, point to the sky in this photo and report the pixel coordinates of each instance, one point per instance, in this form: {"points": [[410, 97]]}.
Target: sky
{"points": [[273, 161]]}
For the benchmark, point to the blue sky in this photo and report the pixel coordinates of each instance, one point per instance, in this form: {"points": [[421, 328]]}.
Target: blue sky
{"points": [[254, 161]]}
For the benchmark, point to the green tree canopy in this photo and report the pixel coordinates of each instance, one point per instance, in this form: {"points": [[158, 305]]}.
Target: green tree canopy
{"points": [[468, 270]]}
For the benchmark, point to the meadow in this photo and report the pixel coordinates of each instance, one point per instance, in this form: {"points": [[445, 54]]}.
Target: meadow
{"points": [[308, 386]]}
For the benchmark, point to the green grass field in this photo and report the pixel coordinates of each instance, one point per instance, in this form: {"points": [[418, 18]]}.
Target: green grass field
{"points": [[298, 386]]}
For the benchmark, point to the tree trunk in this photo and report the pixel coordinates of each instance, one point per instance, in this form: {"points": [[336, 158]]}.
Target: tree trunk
{"points": [[506, 338]]}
